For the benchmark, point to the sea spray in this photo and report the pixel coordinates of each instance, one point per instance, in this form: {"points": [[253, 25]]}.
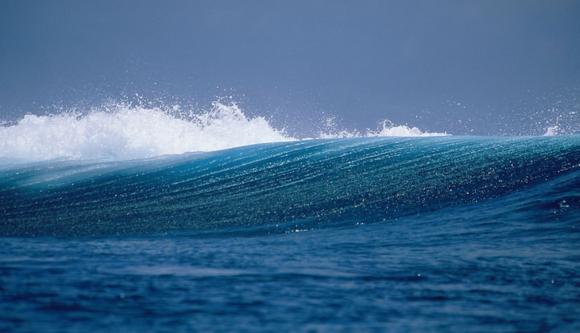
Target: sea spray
{"points": [[125, 131], [130, 132], [386, 128]]}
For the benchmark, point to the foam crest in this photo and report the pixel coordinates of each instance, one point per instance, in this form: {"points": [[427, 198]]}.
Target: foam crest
{"points": [[390, 129], [551, 131], [129, 132], [386, 129], [125, 131]]}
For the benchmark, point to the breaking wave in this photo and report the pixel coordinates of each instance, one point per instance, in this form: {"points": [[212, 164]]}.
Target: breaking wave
{"points": [[125, 131]]}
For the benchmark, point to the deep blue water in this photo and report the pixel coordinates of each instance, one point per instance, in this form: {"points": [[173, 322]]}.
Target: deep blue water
{"points": [[443, 234]]}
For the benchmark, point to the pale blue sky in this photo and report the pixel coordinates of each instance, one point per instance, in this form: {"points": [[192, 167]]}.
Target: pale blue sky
{"points": [[467, 67]]}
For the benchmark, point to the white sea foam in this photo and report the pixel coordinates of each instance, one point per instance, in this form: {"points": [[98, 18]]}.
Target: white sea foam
{"points": [[390, 129], [122, 132], [551, 131], [386, 129], [128, 132]]}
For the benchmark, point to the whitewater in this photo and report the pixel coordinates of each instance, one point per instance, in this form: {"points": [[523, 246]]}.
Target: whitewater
{"points": [[133, 218], [124, 131]]}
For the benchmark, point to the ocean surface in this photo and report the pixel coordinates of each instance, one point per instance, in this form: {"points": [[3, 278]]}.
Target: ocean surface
{"points": [[109, 228]]}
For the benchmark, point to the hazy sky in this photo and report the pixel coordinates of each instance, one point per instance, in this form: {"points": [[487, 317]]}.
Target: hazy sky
{"points": [[466, 67]]}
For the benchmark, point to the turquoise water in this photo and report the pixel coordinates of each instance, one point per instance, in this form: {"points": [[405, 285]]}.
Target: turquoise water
{"points": [[437, 234]]}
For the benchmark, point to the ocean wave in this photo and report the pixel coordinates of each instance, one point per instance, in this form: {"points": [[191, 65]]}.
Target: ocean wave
{"points": [[292, 185]]}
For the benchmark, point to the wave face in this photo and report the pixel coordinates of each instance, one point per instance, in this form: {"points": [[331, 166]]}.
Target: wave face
{"points": [[297, 185]]}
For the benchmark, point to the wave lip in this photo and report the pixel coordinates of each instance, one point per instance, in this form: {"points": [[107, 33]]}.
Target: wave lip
{"points": [[128, 132], [386, 129], [125, 132], [390, 129]]}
